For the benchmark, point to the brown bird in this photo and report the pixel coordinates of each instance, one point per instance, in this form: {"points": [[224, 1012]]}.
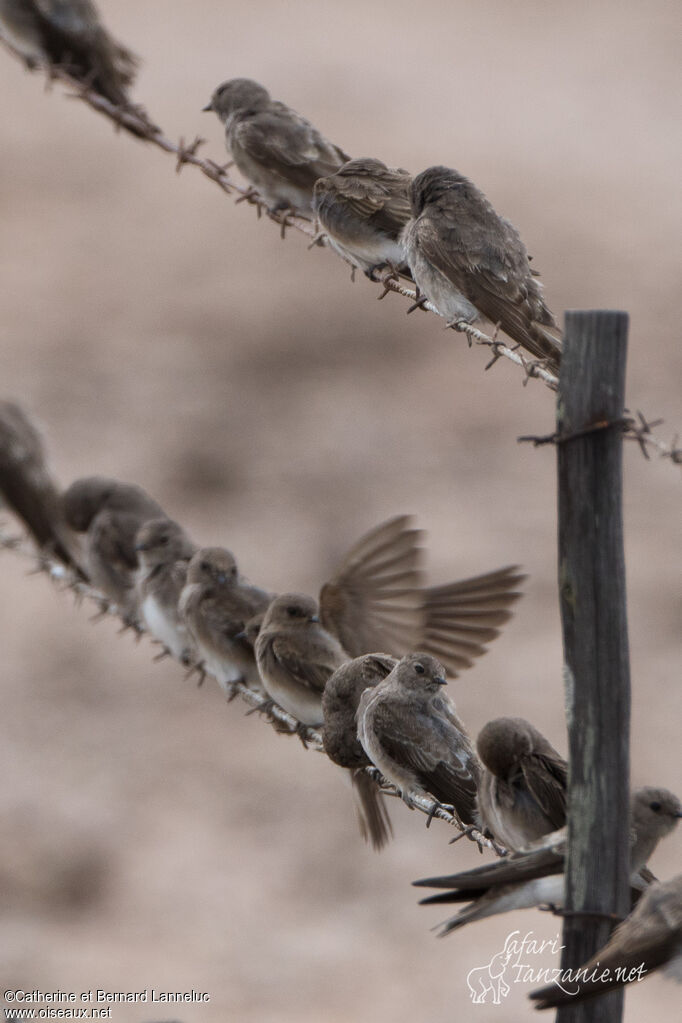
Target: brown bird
{"points": [[471, 263], [28, 487], [163, 550], [69, 34], [296, 655], [216, 604], [110, 514], [363, 209], [375, 601], [276, 149], [649, 939], [409, 729], [522, 788], [535, 877], [340, 702]]}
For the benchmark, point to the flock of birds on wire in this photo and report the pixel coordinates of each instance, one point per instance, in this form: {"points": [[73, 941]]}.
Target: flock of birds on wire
{"points": [[346, 661]]}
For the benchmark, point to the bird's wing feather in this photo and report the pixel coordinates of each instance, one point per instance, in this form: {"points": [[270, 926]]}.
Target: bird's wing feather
{"points": [[461, 618], [547, 778], [311, 672], [373, 601]]}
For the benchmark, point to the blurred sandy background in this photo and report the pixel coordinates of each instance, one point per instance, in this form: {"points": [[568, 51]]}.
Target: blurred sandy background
{"points": [[152, 836]]}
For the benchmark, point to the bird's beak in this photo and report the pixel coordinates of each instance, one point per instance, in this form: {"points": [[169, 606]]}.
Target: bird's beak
{"points": [[440, 681], [209, 106], [241, 635], [314, 618], [221, 578], [678, 814], [140, 547]]}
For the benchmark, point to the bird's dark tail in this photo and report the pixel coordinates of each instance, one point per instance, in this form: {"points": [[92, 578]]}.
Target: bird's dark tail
{"points": [[375, 824]]}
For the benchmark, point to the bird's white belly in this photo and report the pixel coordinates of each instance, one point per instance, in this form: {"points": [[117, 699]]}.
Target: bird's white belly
{"points": [[223, 671], [303, 704], [369, 254], [162, 627], [449, 302]]}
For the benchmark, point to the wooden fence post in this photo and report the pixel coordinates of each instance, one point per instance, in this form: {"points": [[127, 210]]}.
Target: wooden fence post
{"points": [[594, 622]]}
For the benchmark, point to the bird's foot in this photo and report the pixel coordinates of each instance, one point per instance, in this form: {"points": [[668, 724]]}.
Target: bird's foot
{"points": [[199, 669], [266, 707], [302, 732], [371, 271], [281, 213]]}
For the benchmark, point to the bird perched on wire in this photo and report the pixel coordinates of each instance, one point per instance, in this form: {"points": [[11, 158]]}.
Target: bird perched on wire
{"points": [[29, 489], [376, 601], [409, 729], [69, 34], [276, 149], [535, 876], [471, 263], [109, 514], [522, 788], [649, 939], [216, 604], [340, 702], [362, 209], [163, 550]]}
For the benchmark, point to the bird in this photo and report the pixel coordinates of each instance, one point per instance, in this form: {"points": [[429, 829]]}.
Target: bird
{"points": [[277, 150], [163, 551], [296, 656], [340, 701], [535, 877], [109, 514], [362, 209], [28, 487], [216, 604], [649, 939], [522, 788], [69, 34], [471, 263], [409, 729], [376, 601]]}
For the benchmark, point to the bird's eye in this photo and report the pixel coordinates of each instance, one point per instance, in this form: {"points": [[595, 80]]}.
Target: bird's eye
{"points": [[419, 668], [163, 539], [293, 612], [204, 566], [655, 806]]}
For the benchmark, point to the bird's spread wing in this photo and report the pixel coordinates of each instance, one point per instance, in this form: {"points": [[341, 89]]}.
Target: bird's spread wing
{"points": [[373, 601], [461, 618]]}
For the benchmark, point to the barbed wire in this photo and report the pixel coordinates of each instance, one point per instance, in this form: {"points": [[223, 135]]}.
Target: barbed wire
{"points": [[66, 580], [638, 427]]}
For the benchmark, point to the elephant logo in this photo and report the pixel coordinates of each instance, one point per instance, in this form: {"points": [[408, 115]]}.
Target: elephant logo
{"points": [[483, 980]]}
